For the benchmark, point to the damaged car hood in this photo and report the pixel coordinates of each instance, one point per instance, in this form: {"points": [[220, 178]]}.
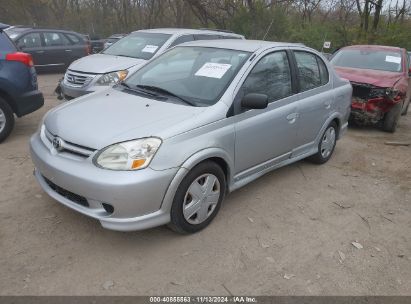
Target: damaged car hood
{"points": [[376, 78]]}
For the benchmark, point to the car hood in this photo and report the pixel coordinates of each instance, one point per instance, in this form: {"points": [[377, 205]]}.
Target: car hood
{"points": [[376, 78], [101, 119], [102, 63]]}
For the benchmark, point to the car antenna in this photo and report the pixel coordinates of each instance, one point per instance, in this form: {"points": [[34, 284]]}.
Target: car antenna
{"points": [[268, 29]]}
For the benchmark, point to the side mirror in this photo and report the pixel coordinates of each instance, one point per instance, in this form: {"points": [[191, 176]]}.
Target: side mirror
{"points": [[409, 72], [254, 101]]}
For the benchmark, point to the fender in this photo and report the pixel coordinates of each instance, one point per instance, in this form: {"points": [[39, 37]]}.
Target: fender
{"points": [[341, 126], [189, 164]]}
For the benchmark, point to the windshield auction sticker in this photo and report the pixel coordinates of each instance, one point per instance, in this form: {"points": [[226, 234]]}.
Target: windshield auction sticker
{"points": [[213, 70], [150, 48], [393, 59]]}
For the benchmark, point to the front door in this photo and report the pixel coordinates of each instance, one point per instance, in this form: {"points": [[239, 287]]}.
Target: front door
{"points": [[266, 136]]}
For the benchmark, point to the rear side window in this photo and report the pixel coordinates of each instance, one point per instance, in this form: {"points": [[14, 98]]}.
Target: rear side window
{"points": [[323, 71], [310, 75], [182, 39], [55, 39], [5, 43], [32, 40], [205, 37], [270, 76], [228, 37], [74, 38]]}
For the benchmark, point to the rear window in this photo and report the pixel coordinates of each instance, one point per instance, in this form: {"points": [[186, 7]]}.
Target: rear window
{"points": [[5, 43], [15, 31], [381, 60]]}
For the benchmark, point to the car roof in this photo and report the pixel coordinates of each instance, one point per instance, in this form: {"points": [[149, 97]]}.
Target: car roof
{"points": [[241, 45], [173, 31], [22, 29], [373, 47], [117, 36], [3, 26]]}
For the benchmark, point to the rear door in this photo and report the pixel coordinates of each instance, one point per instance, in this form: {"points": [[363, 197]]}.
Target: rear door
{"points": [[315, 98], [78, 46], [32, 43], [57, 48]]}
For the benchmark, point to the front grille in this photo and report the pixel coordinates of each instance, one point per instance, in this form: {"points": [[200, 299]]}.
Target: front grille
{"points": [[69, 147], [75, 198], [78, 79]]}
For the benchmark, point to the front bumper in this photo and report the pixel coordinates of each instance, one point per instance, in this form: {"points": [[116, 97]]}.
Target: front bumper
{"points": [[29, 102], [136, 196]]}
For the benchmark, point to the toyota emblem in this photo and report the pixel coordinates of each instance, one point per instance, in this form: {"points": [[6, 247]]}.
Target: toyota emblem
{"points": [[57, 143]]}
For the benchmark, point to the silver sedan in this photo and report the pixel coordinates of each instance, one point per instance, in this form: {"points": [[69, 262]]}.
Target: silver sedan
{"points": [[200, 121]]}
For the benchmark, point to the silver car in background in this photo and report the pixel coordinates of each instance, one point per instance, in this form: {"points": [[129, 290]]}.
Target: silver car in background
{"points": [[200, 121], [99, 71]]}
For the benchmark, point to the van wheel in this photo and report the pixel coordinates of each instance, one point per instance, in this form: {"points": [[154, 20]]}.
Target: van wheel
{"points": [[326, 145], [391, 118], [6, 120], [198, 198]]}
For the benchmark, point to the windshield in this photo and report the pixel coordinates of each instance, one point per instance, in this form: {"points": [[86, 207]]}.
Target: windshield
{"points": [[199, 75], [381, 60], [138, 45]]}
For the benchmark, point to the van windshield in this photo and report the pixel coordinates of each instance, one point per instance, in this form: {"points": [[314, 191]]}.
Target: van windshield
{"points": [[199, 75], [138, 45]]}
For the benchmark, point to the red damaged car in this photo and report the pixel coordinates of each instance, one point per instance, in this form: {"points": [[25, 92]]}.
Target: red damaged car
{"points": [[380, 76]]}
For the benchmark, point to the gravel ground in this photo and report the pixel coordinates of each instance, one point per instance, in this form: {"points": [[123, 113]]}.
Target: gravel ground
{"points": [[288, 233]]}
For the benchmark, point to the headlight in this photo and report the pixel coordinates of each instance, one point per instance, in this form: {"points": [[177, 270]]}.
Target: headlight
{"points": [[130, 155], [112, 78]]}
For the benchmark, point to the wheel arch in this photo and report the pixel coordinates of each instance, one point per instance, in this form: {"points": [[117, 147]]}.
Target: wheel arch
{"points": [[335, 117], [9, 100], [216, 155]]}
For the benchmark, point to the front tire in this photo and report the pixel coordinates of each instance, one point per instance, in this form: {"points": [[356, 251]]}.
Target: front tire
{"points": [[198, 198], [391, 118], [326, 145], [405, 111], [6, 120]]}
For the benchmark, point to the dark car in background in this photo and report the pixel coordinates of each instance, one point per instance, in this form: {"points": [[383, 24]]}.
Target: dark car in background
{"points": [[50, 48], [112, 39], [19, 94], [380, 79]]}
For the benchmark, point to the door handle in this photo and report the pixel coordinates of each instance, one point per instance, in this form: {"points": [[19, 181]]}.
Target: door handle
{"points": [[69, 50], [292, 117], [39, 52]]}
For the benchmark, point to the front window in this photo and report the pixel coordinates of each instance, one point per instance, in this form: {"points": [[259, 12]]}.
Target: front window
{"points": [[270, 76], [381, 60], [199, 75], [138, 45]]}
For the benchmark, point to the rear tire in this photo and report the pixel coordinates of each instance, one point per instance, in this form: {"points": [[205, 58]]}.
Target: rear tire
{"points": [[405, 111], [391, 118], [326, 145], [6, 120], [198, 198]]}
